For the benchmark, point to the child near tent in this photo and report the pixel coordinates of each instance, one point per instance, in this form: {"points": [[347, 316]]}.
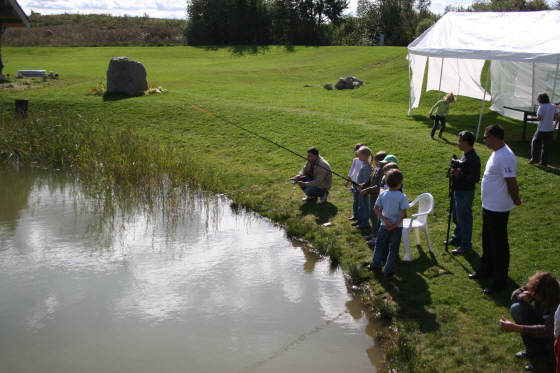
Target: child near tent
{"points": [[356, 165], [364, 154], [541, 144], [440, 109], [390, 207]]}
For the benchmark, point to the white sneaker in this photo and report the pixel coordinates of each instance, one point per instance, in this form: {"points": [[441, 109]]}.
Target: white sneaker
{"points": [[324, 198], [308, 198]]}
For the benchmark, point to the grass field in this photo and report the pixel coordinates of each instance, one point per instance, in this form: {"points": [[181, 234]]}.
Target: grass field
{"points": [[443, 321]]}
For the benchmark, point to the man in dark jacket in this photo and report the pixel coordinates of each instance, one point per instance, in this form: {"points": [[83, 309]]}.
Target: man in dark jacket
{"points": [[466, 174]]}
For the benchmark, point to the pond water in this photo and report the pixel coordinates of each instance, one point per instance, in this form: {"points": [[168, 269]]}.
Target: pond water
{"points": [[90, 287]]}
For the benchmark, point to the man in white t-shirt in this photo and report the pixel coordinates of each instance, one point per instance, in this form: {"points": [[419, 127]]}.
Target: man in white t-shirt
{"points": [[500, 193]]}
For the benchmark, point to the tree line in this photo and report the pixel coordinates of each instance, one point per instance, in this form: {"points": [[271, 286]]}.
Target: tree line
{"points": [[323, 22]]}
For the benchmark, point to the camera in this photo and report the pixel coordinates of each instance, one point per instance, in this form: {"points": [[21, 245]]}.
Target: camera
{"points": [[455, 163]]}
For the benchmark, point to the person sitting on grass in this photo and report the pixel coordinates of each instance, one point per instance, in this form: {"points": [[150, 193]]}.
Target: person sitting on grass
{"points": [[315, 178], [535, 322], [390, 207], [372, 187]]}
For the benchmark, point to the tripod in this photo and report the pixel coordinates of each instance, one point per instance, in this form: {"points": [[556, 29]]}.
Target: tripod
{"points": [[450, 210]]}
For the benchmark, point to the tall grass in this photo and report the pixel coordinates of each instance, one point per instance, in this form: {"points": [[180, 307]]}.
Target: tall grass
{"points": [[108, 158], [93, 36], [95, 30]]}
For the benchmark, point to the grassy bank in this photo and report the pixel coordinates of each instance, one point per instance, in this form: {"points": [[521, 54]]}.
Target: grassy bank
{"points": [[444, 322]]}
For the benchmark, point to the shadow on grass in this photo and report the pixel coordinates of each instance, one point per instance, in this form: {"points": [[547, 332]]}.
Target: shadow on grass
{"points": [[243, 50], [323, 212], [410, 290], [115, 97]]}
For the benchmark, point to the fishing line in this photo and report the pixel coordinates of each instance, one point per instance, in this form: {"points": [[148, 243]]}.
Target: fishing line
{"points": [[255, 187], [272, 142], [298, 340]]}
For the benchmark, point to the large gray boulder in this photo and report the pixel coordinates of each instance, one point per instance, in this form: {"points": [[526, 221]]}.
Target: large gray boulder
{"points": [[126, 76]]}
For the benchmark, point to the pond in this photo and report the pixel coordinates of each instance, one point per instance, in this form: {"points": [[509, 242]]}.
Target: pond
{"points": [[89, 286]]}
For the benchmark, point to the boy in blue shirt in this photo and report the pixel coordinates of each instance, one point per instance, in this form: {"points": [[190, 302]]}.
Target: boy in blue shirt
{"points": [[390, 207]]}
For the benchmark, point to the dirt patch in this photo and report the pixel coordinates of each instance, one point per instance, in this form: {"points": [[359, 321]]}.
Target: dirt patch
{"points": [[23, 84]]}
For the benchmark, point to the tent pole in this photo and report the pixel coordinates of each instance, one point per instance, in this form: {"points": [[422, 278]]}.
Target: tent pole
{"points": [[533, 87], [554, 85], [483, 99], [409, 88], [440, 77]]}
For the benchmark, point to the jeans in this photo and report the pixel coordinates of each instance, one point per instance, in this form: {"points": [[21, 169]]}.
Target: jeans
{"points": [[544, 138], [312, 191], [525, 314], [437, 121], [494, 262], [463, 218], [363, 210], [390, 240], [372, 215], [355, 204]]}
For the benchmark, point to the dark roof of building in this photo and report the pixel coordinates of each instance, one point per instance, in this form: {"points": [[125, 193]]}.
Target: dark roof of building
{"points": [[11, 14]]}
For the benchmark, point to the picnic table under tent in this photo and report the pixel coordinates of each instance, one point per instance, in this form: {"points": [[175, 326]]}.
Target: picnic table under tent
{"points": [[523, 49]]}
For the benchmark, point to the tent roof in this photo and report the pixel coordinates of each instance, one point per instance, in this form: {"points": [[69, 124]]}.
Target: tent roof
{"points": [[505, 36], [11, 14]]}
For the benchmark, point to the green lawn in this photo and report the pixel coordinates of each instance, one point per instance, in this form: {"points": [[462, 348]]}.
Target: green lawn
{"points": [[448, 325]]}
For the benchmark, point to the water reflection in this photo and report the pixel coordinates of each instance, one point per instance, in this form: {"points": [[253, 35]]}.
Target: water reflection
{"points": [[91, 286]]}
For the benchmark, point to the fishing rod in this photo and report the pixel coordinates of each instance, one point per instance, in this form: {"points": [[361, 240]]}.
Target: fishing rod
{"points": [[283, 147]]}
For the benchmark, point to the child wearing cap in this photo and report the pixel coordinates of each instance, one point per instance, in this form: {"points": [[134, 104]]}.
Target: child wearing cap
{"points": [[390, 207], [392, 161]]}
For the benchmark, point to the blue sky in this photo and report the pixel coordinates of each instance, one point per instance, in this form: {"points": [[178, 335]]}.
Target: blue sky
{"points": [[155, 8]]}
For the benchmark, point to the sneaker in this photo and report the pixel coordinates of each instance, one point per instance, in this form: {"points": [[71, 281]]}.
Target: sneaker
{"points": [[323, 199], [369, 237], [355, 224], [371, 242], [460, 252], [543, 164], [373, 268], [352, 218], [531, 162], [450, 243], [308, 198]]}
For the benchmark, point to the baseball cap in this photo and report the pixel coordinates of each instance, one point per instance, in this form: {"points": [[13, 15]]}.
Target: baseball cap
{"points": [[389, 158]]}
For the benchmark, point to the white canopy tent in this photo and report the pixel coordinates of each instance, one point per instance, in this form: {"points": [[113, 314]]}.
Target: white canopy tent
{"points": [[523, 47]]}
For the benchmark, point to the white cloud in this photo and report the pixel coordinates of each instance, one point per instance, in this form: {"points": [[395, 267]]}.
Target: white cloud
{"points": [[159, 8], [155, 8]]}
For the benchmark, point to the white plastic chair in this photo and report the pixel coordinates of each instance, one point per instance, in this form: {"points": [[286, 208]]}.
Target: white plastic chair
{"points": [[418, 221]]}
